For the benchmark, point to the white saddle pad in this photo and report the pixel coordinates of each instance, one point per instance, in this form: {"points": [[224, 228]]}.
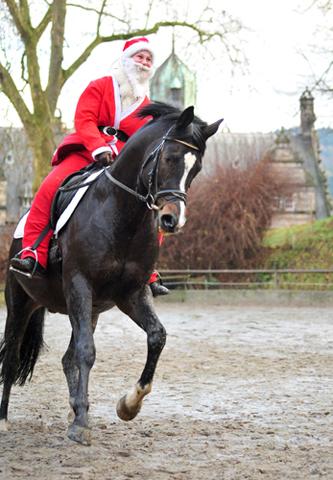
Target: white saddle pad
{"points": [[67, 213]]}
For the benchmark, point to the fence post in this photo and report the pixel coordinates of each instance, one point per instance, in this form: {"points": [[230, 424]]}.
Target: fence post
{"points": [[275, 280]]}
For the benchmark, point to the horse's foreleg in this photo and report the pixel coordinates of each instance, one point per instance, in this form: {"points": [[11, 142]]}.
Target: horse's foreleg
{"points": [[71, 370], [144, 315], [79, 309]]}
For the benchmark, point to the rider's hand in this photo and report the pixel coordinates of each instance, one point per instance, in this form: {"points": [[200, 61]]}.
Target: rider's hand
{"points": [[104, 159]]}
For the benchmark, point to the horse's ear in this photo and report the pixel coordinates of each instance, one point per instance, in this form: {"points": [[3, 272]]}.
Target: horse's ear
{"points": [[185, 119], [210, 130]]}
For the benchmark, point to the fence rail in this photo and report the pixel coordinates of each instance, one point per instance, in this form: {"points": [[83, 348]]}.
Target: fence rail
{"points": [[191, 278]]}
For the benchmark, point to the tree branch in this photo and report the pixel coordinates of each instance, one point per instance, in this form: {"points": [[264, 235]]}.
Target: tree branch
{"points": [[26, 80], [150, 6], [100, 17], [40, 29], [98, 12], [9, 88], [66, 74], [203, 35], [25, 14], [16, 16], [57, 40]]}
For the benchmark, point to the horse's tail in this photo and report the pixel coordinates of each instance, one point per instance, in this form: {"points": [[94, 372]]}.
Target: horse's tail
{"points": [[31, 347]]}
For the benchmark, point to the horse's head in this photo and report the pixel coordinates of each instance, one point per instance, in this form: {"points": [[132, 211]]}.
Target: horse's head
{"points": [[170, 168]]}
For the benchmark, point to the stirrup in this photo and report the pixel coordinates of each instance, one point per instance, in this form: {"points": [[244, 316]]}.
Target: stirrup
{"points": [[21, 272]]}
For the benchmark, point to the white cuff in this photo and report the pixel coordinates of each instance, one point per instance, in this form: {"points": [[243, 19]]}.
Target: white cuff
{"points": [[100, 150], [114, 149]]}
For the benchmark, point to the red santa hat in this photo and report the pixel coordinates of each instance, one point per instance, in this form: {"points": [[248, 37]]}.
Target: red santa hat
{"points": [[136, 45]]}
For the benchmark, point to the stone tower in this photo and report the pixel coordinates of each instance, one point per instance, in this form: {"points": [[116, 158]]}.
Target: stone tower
{"points": [[307, 143], [174, 83], [308, 116]]}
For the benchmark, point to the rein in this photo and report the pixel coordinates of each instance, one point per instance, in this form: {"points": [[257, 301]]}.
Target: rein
{"points": [[150, 199]]}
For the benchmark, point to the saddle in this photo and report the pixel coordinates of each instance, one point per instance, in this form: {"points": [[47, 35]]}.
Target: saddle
{"points": [[68, 189]]}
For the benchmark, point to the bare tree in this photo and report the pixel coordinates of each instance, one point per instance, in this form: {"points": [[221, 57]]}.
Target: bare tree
{"points": [[38, 32], [322, 79]]}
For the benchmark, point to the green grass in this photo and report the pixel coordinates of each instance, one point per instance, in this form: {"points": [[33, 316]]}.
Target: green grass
{"points": [[308, 234], [307, 246], [2, 297]]}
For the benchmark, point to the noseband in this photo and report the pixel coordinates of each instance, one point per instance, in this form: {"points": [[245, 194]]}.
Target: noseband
{"points": [[155, 157]]}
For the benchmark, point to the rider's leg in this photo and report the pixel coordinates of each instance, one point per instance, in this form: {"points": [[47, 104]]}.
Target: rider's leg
{"points": [[155, 280], [39, 214]]}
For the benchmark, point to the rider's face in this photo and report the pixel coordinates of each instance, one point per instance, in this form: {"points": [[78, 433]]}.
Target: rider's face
{"points": [[143, 57]]}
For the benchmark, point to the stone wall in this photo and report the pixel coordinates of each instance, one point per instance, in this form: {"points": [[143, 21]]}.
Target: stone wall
{"points": [[16, 170]]}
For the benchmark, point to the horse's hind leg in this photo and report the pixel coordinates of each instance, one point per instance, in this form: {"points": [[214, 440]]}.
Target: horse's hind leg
{"points": [[141, 310], [21, 343], [71, 370], [79, 304]]}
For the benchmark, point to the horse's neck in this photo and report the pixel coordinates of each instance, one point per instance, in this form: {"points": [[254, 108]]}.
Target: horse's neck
{"points": [[128, 164]]}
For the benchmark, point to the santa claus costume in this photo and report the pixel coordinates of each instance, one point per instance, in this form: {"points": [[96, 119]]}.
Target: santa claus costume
{"points": [[110, 101]]}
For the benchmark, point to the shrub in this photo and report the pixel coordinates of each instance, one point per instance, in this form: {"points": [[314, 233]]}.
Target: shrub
{"points": [[227, 214]]}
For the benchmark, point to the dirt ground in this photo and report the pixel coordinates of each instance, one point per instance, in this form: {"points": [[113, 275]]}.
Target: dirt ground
{"points": [[239, 393]]}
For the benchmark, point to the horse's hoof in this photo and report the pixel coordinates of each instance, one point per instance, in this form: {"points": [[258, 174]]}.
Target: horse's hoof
{"points": [[4, 425], [127, 413], [79, 434]]}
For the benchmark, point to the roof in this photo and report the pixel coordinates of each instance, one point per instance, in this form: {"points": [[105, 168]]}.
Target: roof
{"points": [[173, 75]]}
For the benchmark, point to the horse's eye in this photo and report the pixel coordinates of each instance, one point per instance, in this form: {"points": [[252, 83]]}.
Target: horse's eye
{"points": [[167, 160]]}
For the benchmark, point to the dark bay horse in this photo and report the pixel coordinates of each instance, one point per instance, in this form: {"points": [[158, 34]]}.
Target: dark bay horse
{"points": [[109, 249]]}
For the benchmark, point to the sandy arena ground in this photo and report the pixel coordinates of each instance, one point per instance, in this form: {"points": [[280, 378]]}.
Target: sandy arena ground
{"points": [[239, 393]]}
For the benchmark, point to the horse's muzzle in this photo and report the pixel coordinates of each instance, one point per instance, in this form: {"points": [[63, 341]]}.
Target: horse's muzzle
{"points": [[171, 218]]}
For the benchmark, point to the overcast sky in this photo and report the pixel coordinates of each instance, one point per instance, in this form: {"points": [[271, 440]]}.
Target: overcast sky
{"points": [[267, 96]]}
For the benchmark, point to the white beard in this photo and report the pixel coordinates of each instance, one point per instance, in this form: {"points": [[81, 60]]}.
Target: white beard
{"points": [[133, 79]]}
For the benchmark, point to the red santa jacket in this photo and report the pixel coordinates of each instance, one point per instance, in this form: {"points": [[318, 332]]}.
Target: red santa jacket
{"points": [[100, 104]]}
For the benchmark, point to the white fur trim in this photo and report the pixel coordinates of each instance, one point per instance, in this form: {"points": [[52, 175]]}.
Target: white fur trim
{"points": [[115, 149], [117, 101], [100, 150], [132, 108], [138, 47]]}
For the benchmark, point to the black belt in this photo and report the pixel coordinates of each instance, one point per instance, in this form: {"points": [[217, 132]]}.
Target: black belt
{"points": [[122, 136]]}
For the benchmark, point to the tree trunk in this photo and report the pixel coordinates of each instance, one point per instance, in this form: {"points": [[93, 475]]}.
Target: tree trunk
{"points": [[42, 144]]}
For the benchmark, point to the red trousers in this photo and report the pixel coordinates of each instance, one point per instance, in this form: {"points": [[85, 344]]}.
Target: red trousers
{"points": [[40, 211]]}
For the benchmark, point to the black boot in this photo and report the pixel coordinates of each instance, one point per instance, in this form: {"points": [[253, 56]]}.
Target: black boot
{"points": [[27, 266], [158, 289]]}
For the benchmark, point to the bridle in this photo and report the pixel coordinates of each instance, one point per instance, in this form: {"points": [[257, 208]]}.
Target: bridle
{"points": [[155, 157]]}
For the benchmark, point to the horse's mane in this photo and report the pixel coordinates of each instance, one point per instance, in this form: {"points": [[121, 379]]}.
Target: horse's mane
{"points": [[161, 111], [158, 110]]}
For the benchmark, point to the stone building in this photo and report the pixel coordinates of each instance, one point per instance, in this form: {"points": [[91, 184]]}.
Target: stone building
{"points": [[16, 174], [295, 156], [298, 206]]}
